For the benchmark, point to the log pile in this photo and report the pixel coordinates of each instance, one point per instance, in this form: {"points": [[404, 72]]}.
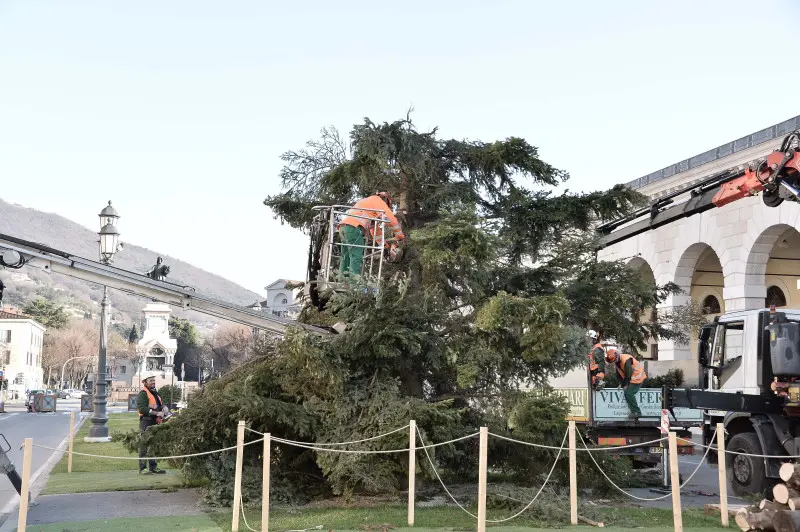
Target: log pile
{"points": [[782, 513]]}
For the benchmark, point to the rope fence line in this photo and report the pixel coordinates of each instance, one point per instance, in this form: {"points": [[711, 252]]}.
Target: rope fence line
{"points": [[435, 472], [632, 496], [204, 453], [414, 432], [244, 517], [714, 447], [546, 480], [586, 449], [248, 429]]}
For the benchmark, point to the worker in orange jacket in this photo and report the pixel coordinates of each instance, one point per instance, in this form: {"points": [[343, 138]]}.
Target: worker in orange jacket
{"points": [[355, 228], [597, 355], [631, 371]]}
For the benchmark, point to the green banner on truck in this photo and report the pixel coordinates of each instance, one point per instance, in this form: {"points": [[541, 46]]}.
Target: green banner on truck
{"points": [[610, 405]]}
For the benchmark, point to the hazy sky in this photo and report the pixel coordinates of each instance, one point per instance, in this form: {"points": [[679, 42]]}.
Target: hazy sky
{"points": [[178, 111]]}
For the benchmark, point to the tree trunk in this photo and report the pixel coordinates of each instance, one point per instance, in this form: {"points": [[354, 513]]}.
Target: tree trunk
{"points": [[782, 493], [748, 520], [767, 504], [785, 521], [790, 474]]}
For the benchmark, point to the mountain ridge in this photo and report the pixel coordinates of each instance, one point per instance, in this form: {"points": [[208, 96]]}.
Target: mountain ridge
{"points": [[56, 231]]}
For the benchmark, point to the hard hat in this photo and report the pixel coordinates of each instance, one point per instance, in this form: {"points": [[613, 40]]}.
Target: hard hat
{"points": [[592, 334], [149, 374], [386, 197]]}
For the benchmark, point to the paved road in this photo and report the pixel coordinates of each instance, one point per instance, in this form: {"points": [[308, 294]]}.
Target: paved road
{"points": [[701, 490], [50, 429], [46, 429]]}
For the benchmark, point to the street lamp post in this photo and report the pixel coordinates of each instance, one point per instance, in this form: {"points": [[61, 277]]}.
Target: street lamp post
{"points": [[109, 245]]}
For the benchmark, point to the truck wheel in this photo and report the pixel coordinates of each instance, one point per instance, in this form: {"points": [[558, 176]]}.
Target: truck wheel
{"points": [[746, 474]]}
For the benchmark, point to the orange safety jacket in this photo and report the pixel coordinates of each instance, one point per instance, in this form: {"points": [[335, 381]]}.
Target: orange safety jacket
{"points": [[638, 375], [151, 400], [377, 203]]}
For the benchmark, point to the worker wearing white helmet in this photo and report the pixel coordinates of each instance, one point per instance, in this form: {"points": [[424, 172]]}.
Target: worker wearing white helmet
{"points": [[596, 361], [151, 412]]}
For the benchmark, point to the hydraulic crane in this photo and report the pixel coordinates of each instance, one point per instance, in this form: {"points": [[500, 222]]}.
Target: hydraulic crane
{"points": [[751, 386], [16, 253], [776, 178]]}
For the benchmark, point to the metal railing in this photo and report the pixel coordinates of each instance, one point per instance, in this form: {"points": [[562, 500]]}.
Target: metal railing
{"points": [[374, 238]]}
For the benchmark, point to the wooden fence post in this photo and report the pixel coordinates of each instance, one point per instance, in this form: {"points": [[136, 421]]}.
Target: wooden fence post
{"points": [[723, 477], [675, 480], [22, 521], [265, 484], [482, 466], [237, 481], [573, 475], [71, 438], [412, 469]]}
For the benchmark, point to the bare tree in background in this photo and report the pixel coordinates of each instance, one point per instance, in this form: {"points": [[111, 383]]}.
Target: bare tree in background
{"points": [[79, 339], [230, 345]]}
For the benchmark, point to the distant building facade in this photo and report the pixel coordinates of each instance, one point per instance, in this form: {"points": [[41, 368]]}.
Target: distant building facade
{"points": [[156, 350], [282, 299], [21, 341]]}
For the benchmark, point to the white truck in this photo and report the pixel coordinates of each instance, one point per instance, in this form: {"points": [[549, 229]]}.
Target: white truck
{"points": [[750, 368]]}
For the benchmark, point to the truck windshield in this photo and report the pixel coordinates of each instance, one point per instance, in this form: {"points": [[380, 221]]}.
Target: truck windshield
{"points": [[727, 352], [728, 343]]}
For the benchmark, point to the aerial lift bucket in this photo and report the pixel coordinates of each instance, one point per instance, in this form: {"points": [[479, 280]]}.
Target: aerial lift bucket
{"points": [[325, 251]]}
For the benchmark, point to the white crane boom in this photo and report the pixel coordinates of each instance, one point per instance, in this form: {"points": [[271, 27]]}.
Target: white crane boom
{"points": [[21, 252]]}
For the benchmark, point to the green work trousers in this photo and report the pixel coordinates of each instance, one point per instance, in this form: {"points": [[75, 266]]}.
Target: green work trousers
{"points": [[630, 397], [351, 255]]}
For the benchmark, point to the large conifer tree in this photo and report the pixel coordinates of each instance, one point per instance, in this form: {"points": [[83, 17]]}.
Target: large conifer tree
{"points": [[497, 286]]}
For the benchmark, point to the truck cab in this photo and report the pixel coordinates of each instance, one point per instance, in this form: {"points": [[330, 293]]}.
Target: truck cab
{"points": [[747, 384]]}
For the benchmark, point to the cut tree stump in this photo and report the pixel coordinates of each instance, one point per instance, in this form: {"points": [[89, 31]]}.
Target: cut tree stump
{"points": [[794, 504], [709, 509], [747, 520], [782, 493], [767, 504], [786, 521], [789, 471]]}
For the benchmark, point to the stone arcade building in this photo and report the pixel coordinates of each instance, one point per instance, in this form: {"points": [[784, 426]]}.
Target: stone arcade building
{"points": [[744, 255]]}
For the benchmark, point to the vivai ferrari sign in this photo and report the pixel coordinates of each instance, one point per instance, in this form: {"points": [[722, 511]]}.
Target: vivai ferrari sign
{"points": [[610, 405]]}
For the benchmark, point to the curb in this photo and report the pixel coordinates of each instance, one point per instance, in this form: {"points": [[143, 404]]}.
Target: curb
{"points": [[8, 519]]}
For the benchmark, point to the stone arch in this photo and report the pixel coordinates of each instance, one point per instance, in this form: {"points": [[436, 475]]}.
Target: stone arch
{"points": [[646, 272], [773, 260], [711, 304], [699, 274], [280, 299], [776, 295]]}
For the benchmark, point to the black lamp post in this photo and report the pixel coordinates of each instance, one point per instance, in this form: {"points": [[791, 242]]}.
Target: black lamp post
{"points": [[109, 245]]}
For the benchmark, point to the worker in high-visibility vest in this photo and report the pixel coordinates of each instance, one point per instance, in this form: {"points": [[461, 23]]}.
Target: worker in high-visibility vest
{"points": [[597, 355], [151, 411], [632, 374], [356, 228]]}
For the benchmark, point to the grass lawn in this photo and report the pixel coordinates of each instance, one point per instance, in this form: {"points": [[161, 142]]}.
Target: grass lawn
{"points": [[99, 474], [440, 518], [196, 523], [116, 423], [110, 481]]}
